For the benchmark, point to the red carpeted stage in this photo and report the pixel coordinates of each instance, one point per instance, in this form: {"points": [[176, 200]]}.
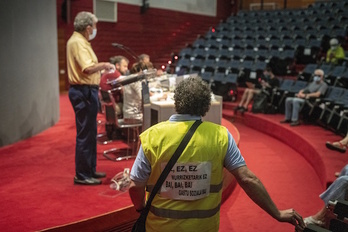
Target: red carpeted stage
{"points": [[37, 190]]}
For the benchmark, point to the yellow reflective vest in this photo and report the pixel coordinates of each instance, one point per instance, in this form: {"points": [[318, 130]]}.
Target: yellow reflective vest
{"points": [[198, 208]]}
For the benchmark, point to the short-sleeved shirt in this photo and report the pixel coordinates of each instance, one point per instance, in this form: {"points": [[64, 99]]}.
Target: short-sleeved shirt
{"points": [[141, 168], [108, 77], [80, 56], [315, 87]]}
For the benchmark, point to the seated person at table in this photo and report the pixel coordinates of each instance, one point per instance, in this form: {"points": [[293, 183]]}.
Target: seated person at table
{"points": [[267, 83], [145, 58], [293, 105], [121, 64], [337, 191], [132, 97]]}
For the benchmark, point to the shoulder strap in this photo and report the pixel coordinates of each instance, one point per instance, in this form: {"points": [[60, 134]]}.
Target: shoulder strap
{"points": [[171, 163]]}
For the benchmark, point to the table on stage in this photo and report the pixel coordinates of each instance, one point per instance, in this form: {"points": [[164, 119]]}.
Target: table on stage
{"points": [[159, 111]]}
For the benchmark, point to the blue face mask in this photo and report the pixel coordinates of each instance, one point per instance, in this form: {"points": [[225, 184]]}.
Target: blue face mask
{"points": [[316, 78]]}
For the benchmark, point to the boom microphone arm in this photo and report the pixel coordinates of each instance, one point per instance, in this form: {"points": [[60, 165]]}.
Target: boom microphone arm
{"points": [[126, 49], [126, 80]]}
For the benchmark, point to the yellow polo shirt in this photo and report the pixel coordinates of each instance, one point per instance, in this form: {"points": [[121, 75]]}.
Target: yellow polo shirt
{"points": [[80, 56]]}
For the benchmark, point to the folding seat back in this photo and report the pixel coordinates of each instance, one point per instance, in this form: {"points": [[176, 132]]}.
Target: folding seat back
{"points": [[185, 53], [286, 84], [334, 94], [207, 76], [326, 68], [183, 64], [307, 72], [297, 86]]}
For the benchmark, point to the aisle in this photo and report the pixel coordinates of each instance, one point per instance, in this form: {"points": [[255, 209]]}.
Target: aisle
{"points": [[289, 179]]}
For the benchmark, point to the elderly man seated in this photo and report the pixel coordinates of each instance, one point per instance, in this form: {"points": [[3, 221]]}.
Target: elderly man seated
{"points": [[293, 105]]}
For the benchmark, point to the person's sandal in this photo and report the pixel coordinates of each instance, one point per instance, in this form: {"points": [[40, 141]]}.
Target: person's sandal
{"points": [[340, 148], [311, 220]]}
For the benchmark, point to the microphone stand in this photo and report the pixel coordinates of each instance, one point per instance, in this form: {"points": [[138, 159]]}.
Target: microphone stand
{"points": [[126, 80], [126, 49]]}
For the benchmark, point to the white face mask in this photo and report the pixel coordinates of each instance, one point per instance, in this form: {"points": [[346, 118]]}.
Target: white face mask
{"points": [[94, 33], [316, 78]]}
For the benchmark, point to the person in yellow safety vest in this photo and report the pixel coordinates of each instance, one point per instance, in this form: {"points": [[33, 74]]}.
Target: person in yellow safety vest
{"points": [[335, 55], [190, 198]]}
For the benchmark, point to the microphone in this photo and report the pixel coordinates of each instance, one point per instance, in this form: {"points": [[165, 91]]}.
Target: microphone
{"points": [[126, 49], [116, 45]]}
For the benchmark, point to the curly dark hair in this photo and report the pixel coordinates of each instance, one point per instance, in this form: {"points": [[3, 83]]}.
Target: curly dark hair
{"points": [[192, 96]]}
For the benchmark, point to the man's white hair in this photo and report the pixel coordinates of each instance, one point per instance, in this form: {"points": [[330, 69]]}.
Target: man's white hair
{"points": [[84, 19]]}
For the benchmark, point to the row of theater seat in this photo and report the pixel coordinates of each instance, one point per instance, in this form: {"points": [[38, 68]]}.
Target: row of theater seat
{"points": [[248, 70], [335, 75], [329, 111], [280, 37]]}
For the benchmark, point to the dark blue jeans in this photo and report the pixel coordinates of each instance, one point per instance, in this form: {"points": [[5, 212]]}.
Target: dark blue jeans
{"points": [[84, 100]]}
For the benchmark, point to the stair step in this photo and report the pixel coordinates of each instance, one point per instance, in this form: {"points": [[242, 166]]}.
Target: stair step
{"points": [[229, 114], [229, 105]]}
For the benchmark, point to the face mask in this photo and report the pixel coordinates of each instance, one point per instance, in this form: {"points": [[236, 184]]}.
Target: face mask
{"points": [[316, 78], [94, 33]]}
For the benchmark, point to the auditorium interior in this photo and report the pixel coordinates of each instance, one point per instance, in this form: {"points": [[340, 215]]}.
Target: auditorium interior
{"points": [[229, 45]]}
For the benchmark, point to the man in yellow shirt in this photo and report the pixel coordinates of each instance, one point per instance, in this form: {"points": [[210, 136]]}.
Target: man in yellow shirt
{"points": [[84, 77]]}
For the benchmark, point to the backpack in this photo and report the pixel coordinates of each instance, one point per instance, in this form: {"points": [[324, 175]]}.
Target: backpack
{"points": [[260, 104]]}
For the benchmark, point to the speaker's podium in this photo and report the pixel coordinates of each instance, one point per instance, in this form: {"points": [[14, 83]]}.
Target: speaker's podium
{"points": [[160, 110]]}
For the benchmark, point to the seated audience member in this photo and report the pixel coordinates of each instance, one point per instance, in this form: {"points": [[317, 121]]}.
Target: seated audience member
{"points": [[336, 191], [340, 146], [267, 84], [293, 105], [336, 53], [121, 64]]}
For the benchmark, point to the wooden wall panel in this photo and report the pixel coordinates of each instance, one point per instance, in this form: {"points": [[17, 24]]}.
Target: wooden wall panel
{"points": [[157, 32]]}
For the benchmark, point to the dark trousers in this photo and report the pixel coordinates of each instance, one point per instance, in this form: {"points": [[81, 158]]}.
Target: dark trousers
{"points": [[84, 100]]}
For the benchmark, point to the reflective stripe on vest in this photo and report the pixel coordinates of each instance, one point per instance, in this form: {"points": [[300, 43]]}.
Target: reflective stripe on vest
{"points": [[208, 144], [214, 188], [181, 214]]}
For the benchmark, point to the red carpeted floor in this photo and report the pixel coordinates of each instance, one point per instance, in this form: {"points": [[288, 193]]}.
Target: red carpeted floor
{"points": [[37, 190], [290, 180]]}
